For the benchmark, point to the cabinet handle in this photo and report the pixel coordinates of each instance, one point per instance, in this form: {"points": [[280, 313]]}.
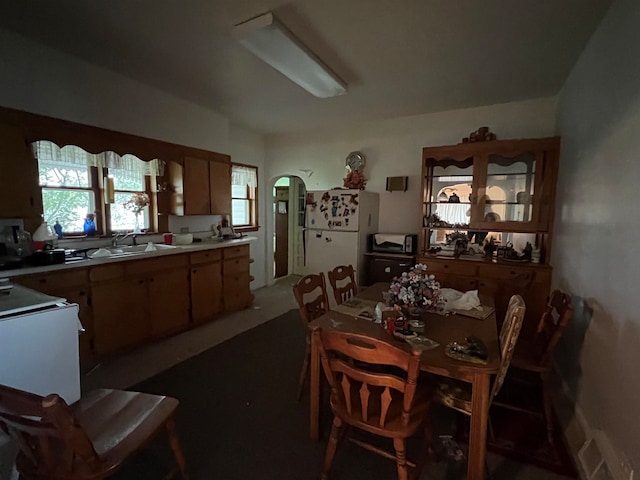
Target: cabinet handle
{"points": [[82, 293], [152, 280], [403, 264], [140, 282], [43, 280]]}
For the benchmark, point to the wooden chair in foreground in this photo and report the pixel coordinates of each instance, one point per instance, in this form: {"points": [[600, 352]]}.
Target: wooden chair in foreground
{"points": [[311, 294], [536, 355], [365, 395], [343, 283], [457, 394], [90, 439]]}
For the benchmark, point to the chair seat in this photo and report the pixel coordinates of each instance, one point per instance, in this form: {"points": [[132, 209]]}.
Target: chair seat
{"points": [[393, 426], [119, 422]]}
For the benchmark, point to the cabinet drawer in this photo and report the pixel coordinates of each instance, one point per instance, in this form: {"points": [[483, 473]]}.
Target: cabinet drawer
{"points": [[239, 251], [167, 262], [206, 256], [235, 266], [106, 272], [457, 267], [513, 272], [58, 280]]}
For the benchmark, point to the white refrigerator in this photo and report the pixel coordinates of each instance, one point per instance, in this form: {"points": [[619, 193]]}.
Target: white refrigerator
{"points": [[337, 223]]}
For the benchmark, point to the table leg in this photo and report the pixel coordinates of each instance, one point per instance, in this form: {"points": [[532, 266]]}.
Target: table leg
{"points": [[479, 420], [314, 392]]}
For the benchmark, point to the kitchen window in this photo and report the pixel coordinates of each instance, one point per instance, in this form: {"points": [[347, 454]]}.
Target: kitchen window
{"points": [[244, 197], [76, 183]]}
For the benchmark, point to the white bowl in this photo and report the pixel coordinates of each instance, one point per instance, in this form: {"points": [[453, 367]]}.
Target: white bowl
{"points": [[182, 238]]}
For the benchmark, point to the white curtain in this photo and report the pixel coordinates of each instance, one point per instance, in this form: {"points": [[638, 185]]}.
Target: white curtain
{"points": [[72, 155], [242, 176]]}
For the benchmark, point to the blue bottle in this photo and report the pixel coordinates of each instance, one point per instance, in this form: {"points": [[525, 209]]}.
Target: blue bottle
{"points": [[58, 229], [89, 226]]}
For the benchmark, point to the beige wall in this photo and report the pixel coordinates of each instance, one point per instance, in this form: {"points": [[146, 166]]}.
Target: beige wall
{"points": [[597, 227]]}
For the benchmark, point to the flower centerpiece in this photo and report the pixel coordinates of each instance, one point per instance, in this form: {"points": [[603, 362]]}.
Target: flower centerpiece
{"points": [[137, 204], [415, 291], [355, 179]]}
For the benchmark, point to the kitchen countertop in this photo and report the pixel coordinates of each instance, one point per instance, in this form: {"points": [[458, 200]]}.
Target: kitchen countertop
{"points": [[194, 247]]}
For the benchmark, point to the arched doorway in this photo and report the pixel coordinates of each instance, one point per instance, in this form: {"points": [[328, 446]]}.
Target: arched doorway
{"points": [[289, 193]]}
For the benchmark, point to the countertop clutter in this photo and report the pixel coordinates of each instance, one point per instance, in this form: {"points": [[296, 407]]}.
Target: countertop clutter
{"points": [[126, 254]]}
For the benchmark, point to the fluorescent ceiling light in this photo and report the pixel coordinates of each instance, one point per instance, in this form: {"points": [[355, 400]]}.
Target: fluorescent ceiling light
{"points": [[273, 43]]}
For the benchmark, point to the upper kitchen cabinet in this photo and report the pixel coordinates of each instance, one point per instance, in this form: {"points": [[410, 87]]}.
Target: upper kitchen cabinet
{"points": [[20, 194], [496, 185], [201, 185]]}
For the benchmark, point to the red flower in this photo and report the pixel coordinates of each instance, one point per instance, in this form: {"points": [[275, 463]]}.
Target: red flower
{"points": [[355, 179]]}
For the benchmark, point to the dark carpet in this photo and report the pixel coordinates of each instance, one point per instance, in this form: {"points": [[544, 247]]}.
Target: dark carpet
{"points": [[239, 419]]}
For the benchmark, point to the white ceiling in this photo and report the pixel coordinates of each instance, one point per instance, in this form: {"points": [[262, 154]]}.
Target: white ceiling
{"points": [[398, 57]]}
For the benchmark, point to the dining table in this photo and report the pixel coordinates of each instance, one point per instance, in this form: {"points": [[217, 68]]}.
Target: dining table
{"points": [[440, 328]]}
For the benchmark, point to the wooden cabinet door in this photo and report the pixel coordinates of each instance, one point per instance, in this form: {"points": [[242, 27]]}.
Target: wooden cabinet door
{"points": [[20, 194], [168, 301], [236, 280], [120, 314], [220, 185], [206, 291], [197, 200]]}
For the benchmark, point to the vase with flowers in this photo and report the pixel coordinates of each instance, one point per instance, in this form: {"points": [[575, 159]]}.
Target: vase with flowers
{"points": [[136, 204], [415, 291]]}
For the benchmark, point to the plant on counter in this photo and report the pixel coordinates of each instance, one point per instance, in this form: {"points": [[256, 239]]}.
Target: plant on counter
{"points": [[415, 290]]}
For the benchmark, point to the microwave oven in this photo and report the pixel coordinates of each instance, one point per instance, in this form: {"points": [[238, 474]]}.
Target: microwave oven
{"points": [[403, 243]]}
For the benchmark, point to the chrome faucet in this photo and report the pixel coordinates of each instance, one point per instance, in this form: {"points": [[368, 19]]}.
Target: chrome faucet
{"points": [[121, 236]]}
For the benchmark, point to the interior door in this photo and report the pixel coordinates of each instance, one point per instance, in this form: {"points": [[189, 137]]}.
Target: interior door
{"points": [[297, 213], [281, 255]]}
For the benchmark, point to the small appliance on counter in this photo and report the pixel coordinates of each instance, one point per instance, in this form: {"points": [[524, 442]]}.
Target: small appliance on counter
{"points": [[403, 243]]}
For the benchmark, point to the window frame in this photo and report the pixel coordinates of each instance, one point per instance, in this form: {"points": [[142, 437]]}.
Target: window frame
{"points": [[253, 225], [97, 189]]}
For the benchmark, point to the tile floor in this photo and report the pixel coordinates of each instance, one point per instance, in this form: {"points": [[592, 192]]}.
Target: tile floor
{"points": [[127, 369]]}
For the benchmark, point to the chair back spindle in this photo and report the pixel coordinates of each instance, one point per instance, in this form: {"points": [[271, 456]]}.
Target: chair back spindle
{"points": [[312, 285], [343, 282]]}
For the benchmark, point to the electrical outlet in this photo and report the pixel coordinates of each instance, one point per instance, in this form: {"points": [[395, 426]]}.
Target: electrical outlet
{"points": [[625, 466]]}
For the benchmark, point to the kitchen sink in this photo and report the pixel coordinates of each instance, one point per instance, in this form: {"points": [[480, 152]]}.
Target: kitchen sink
{"points": [[130, 250], [154, 247]]}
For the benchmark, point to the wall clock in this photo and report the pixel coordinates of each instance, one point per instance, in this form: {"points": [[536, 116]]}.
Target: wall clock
{"points": [[355, 161]]}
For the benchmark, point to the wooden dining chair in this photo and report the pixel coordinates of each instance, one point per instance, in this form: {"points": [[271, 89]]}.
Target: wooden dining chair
{"points": [[90, 439], [456, 394], [536, 355], [343, 282], [311, 294], [367, 395]]}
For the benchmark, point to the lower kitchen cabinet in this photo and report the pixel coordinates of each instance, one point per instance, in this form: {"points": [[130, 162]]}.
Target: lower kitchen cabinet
{"points": [[206, 285], [168, 301], [120, 314], [236, 278], [139, 299], [127, 303]]}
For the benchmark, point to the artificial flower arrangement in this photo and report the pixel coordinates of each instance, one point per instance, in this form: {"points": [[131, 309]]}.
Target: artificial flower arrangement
{"points": [[137, 202], [355, 179], [415, 290]]}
